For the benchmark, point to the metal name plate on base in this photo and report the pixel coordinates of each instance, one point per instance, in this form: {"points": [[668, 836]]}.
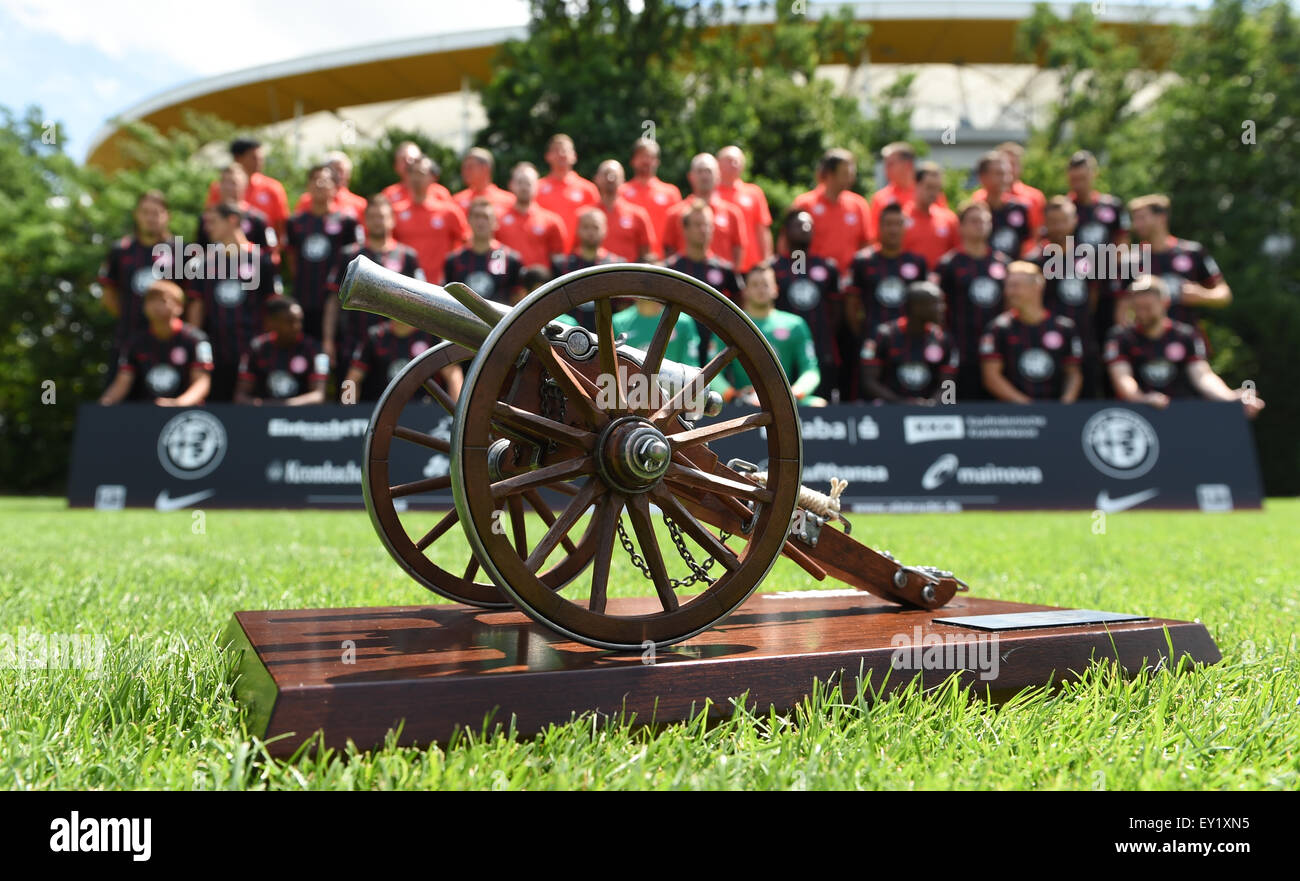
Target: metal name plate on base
{"points": [[356, 674]]}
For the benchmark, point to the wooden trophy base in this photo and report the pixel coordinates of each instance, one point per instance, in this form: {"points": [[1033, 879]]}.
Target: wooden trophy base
{"points": [[357, 673]]}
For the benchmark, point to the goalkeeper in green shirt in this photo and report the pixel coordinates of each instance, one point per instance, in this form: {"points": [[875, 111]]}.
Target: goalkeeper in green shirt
{"points": [[789, 335]]}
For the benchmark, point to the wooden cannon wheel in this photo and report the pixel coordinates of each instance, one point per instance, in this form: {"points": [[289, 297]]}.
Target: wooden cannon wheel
{"points": [[396, 418], [613, 453]]}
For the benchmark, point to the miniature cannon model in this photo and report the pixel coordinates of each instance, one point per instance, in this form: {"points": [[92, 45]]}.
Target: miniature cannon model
{"points": [[547, 419]]}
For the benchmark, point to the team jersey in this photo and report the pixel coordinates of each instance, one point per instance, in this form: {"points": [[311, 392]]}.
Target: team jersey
{"points": [[683, 344], [283, 372], [1159, 364], [353, 323], [880, 283], [161, 367], [502, 200], [911, 365], [813, 294], [890, 194], [790, 338], [752, 202], [493, 275], [629, 231], [399, 192], [1102, 221], [1031, 198], [537, 234], [585, 313], [729, 228], [317, 242], [232, 297], [653, 196], [1012, 228], [930, 233], [1076, 298], [131, 266], [434, 229], [565, 197], [256, 226], [972, 288], [382, 354], [841, 228], [719, 274], [1033, 356], [344, 202], [1182, 260], [264, 193]]}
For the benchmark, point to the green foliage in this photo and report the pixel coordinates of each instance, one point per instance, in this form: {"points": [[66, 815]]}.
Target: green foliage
{"points": [[1220, 140], [372, 165]]}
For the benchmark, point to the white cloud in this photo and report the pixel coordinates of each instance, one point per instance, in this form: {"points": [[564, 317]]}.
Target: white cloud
{"points": [[236, 34]]}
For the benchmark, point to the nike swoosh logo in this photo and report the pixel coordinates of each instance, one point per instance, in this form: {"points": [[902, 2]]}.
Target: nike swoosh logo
{"points": [[164, 502], [1123, 503]]}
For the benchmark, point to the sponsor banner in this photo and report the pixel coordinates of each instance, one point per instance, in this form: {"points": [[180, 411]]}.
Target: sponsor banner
{"points": [[1093, 456]]}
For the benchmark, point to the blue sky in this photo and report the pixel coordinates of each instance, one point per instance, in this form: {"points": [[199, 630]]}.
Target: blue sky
{"points": [[85, 61]]}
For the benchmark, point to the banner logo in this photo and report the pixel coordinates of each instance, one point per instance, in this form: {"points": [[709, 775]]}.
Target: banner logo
{"points": [[920, 429], [192, 445], [1120, 443]]}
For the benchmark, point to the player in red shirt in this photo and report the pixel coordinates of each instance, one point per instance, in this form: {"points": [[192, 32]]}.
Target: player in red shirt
{"points": [[486, 265], [1018, 190], [536, 233], [841, 217], [406, 154], [1028, 354], [901, 179], [476, 172], [563, 192], [751, 200], [932, 229], [909, 359], [433, 227], [135, 262], [1191, 275], [155, 365], [730, 228], [266, 194], [646, 190], [284, 365], [630, 234], [1157, 359]]}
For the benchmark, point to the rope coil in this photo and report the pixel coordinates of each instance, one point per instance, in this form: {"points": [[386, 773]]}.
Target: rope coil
{"points": [[821, 504]]}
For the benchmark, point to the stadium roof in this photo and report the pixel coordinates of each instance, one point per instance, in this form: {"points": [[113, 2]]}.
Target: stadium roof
{"points": [[910, 32]]}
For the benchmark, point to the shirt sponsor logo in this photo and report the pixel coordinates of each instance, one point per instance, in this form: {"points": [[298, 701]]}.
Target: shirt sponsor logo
{"points": [[1004, 239], [913, 375], [228, 293], [1072, 291], [804, 294], [1036, 365], [481, 283], [1093, 232], [191, 444], [890, 292], [141, 279], [922, 429], [163, 379], [1119, 443], [316, 247], [984, 291], [1157, 372], [282, 384]]}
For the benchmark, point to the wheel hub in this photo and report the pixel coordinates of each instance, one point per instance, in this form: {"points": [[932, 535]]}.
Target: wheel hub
{"points": [[632, 455]]}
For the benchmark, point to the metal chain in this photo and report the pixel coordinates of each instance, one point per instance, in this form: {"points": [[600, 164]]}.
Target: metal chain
{"points": [[698, 572]]}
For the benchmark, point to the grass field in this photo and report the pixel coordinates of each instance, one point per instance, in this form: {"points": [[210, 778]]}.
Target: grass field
{"points": [[160, 714]]}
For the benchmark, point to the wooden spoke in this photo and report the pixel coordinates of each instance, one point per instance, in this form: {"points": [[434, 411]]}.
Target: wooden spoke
{"points": [[695, 388], [608, 353], [567, 489], [560, 528], [723, 486], [415, 487], [654, 356], [518, 527], [575, 392], [606, 525], [718, 430], [437, 532], [423, 439], [638, 510], [549, 429], [472, 569], [440, 395], [538, 504], [543, 476], [692, 527]]}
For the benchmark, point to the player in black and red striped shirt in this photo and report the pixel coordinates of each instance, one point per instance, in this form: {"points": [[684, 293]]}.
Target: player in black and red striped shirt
{"points": [[388, 347], [908, 359], [315, 242], [1157, 359], [284, 365], [135, 262], [486, 265], [971, 278], [1191, 275], [1013, 231], [232, 188], [227, 289], [809, 287], [170, 362], [587, 251], [1028, 354], [695, 260]]}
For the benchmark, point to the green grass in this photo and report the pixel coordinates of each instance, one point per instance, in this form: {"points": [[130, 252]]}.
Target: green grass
{"points": [[160, 713]]}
